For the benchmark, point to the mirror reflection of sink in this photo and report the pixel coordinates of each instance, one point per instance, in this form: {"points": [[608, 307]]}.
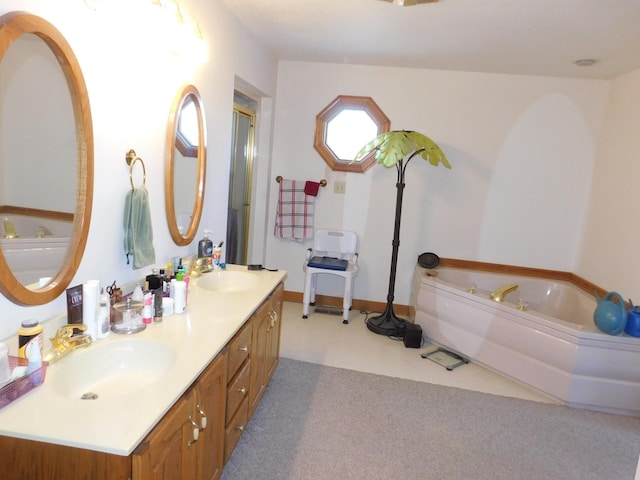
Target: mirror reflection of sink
{"points": [[228, 281], [112, 369]]}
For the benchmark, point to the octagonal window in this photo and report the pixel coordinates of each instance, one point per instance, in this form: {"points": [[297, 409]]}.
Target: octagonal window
{"points": [[344, 127]]}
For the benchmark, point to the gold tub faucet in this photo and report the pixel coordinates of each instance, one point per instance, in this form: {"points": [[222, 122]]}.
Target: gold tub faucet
{"points": [[64, 343], [9, 229], [499, 293]]}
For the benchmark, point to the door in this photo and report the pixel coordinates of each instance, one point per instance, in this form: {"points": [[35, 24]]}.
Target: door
{"points": [[240, 181]]}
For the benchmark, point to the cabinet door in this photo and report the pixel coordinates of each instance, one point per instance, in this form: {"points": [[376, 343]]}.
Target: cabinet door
{"points": [[210, 410], [164, 454], [273, 333], [261, 321]]}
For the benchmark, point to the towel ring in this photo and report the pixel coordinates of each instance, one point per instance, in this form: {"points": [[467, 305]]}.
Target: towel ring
{"points": [[131, 159]]}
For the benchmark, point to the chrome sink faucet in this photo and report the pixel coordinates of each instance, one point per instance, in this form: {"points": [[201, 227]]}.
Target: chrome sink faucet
{"points": [[63, 343], [499, 293]]}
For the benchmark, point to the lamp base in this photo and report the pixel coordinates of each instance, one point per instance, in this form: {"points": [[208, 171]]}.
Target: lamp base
{"points": [[387, 324]]}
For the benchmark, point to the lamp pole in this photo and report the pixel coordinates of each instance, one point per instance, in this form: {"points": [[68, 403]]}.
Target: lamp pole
{"points": [[388, 323], [391, 148]]}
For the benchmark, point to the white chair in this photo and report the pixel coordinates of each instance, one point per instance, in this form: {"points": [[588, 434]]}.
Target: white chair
{"points": [[329, 246]]}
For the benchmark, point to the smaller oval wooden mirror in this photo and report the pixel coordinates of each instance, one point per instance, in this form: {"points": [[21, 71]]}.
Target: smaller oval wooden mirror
{"points": [[346, 125], [185, 165]]}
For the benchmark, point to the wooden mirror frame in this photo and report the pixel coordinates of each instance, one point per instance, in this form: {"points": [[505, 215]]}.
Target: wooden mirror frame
{"points": [[172, 131], [340, 103], [12, 26]]}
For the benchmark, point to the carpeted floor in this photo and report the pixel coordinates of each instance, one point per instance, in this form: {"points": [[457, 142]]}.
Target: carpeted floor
{"points": [[321, 423]]}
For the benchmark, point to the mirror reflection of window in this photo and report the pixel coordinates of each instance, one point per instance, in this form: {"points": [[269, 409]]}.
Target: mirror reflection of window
{"points": [[188, 123], [188, 132], [349, 131]]}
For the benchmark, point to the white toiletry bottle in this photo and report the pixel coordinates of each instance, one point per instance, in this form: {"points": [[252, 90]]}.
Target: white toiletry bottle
{"points": [[104, 315], [179, 294], [5, 366], [90, 304], [137, 294], [35, 363]]}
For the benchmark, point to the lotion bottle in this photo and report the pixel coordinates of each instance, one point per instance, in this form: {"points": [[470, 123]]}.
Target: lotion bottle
{"points": [[104, 315], [180, 294]]}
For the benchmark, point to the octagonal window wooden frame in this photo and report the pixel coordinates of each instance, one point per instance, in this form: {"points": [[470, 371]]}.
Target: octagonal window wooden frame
{"points": [[340, 103]]}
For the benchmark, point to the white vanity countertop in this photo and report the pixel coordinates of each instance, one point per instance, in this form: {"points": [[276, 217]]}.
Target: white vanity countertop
{"points": [[119, 423]]}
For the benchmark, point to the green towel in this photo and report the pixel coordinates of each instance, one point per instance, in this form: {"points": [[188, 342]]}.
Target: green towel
{"points": [[138, 233]]}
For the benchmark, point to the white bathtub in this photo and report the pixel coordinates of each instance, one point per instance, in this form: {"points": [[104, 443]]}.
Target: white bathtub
{"points": [[31, 257], [553, 347]]}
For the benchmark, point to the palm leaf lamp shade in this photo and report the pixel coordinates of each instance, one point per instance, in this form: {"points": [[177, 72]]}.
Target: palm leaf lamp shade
{"points": [[396, 148]]}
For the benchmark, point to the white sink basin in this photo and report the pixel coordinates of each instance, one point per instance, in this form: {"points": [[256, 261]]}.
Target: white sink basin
{"points": [[111, 369], [228, 281]]}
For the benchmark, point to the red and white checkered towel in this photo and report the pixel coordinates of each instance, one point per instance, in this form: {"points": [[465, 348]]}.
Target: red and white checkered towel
{"points": [[294, 214]]}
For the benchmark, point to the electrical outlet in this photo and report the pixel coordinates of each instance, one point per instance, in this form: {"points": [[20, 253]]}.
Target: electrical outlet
{"points": [[339, 187]]}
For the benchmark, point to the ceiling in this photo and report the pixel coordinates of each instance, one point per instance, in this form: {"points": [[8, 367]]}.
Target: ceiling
{"points": [[530, 37]]}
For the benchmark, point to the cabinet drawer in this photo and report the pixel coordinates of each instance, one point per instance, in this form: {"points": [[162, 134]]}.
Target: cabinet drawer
{"points": [[237, 390], [239, 349], [235, 428]]}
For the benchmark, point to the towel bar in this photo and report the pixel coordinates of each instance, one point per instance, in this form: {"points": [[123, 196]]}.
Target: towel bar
{"points": [[323, 182]]}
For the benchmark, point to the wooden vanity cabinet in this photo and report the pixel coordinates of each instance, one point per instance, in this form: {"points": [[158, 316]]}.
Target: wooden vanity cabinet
{"points": [[188, 443], [215, 409], [28, 459]]}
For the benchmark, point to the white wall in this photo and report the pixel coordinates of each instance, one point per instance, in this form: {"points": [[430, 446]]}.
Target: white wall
{"points": [[610, 249], [132, 79], [522, 150]]}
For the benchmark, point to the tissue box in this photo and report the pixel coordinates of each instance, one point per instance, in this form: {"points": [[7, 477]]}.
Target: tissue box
{"points": [[22, 385]]}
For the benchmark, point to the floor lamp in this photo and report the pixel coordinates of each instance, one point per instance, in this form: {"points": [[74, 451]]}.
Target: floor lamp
{"points": [[391, 150]]}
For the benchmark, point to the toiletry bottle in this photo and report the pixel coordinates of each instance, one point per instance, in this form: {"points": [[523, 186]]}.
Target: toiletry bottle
{"points": [[104, 315], [5, 366], [30, 331], [74, 307], [147, 309], [205, 246], [155, 285], [216, 256], [179, 294], [137, 294], [90, 304], [35, 363], [165, 283]]}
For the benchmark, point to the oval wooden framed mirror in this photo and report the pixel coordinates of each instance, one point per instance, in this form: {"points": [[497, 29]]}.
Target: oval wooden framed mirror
{"points": [[185, 165], [34, 178]]}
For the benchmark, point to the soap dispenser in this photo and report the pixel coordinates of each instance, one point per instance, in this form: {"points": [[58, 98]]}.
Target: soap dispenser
{"points": [[205, 246]]}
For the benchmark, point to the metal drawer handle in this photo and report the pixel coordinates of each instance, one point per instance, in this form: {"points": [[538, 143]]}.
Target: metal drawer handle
{"points": [[240, 427], [242, 390], [244, 349]]}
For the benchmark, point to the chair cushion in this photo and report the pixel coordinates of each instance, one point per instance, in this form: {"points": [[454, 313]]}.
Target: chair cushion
{"points": [[329, 263]]}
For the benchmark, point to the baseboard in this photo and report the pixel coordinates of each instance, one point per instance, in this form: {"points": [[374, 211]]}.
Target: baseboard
{"points": [[364, 305]]}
